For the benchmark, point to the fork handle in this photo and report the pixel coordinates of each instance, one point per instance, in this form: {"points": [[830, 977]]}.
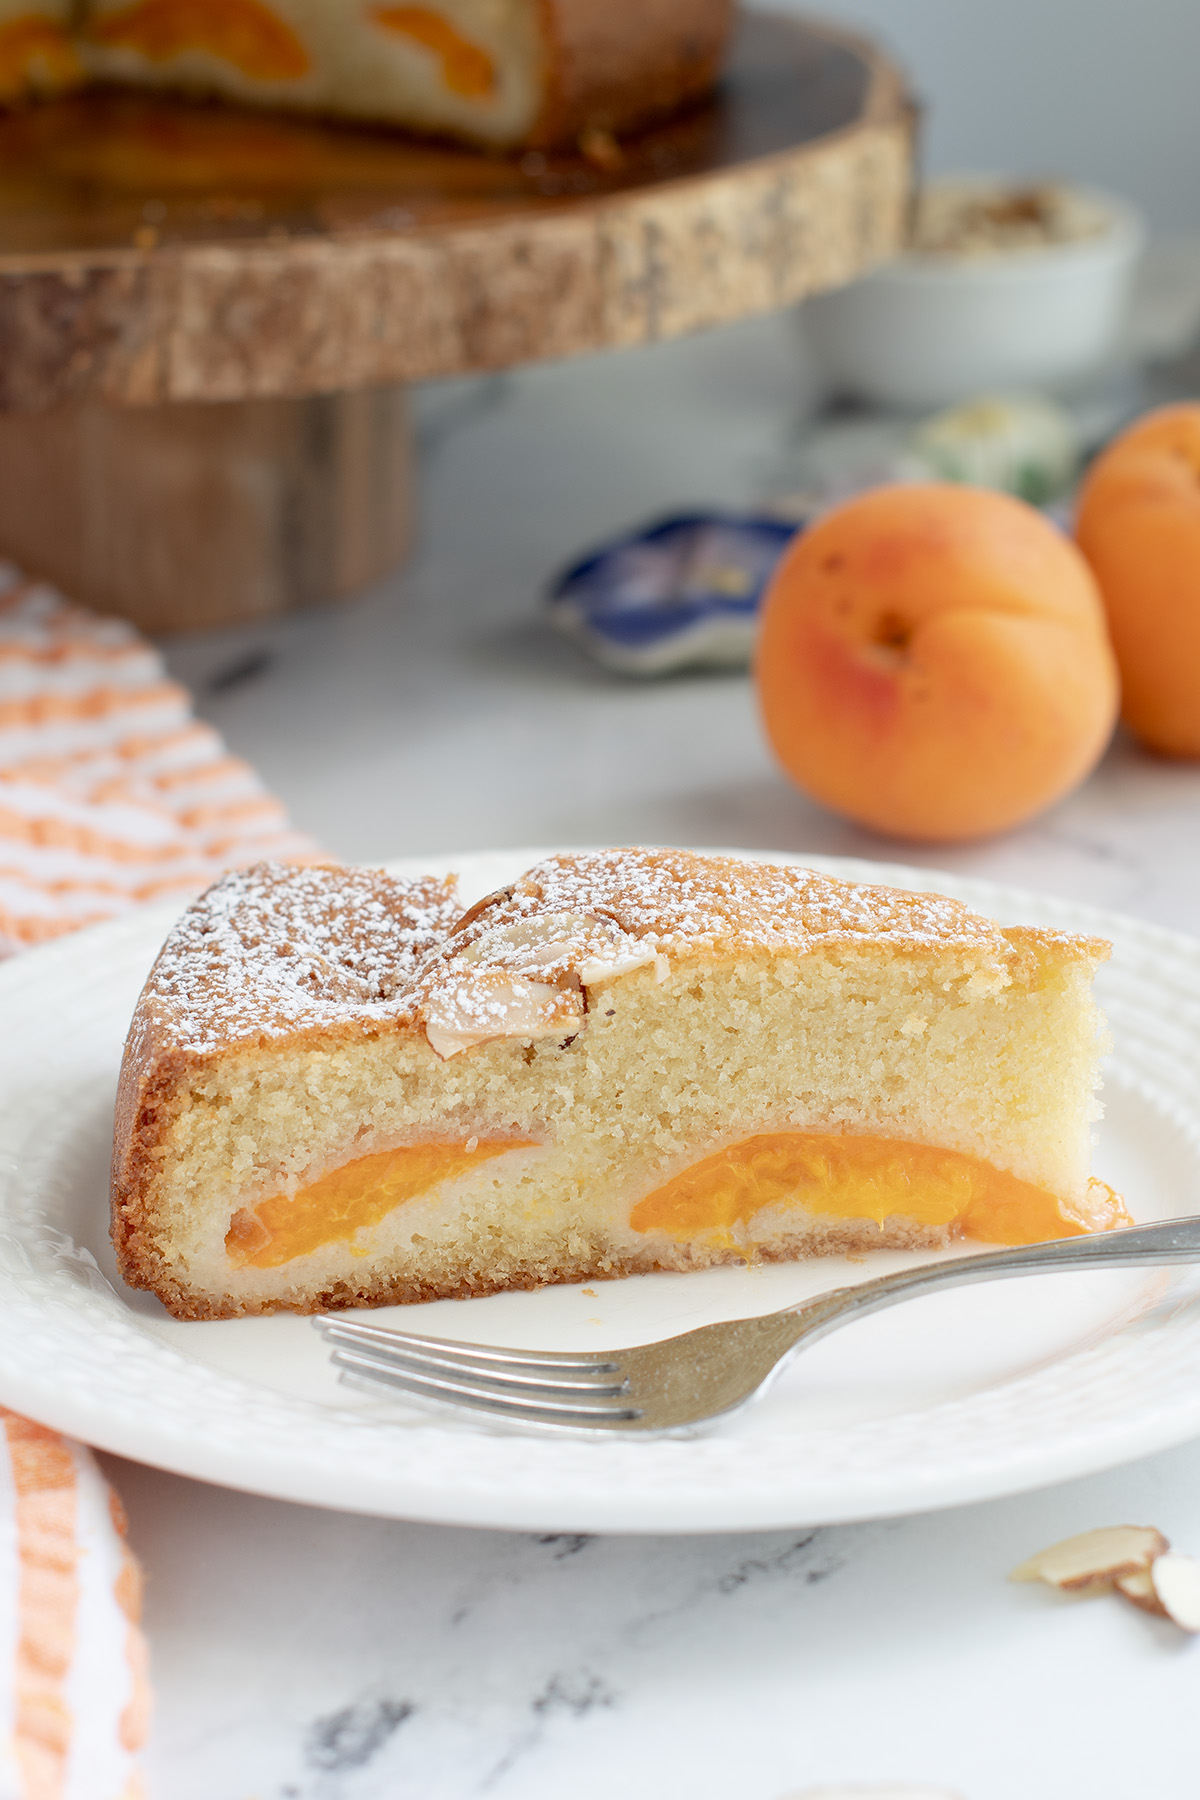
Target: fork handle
{"points": [[1174, 1241]]}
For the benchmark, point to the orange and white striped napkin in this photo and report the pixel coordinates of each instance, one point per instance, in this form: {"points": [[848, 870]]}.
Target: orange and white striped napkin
{"points": [[74, 1695], [111, 790], [111, 793]]}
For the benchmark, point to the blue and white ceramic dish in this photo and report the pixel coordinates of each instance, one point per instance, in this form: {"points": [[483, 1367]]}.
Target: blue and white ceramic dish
{"points": [[682, 593]]}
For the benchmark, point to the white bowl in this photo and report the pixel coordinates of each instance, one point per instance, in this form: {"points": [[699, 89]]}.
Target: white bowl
{"points": [[932, 328]]}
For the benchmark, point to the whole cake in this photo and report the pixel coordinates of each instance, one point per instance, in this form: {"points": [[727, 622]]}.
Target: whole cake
{"points": [[340, 1089], [496, 72]]}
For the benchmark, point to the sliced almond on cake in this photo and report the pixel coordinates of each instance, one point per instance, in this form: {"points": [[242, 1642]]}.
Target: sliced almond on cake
{"points": [[1094, 1559]]}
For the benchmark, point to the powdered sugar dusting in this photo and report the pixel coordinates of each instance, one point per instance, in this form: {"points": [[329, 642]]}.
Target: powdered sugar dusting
{"points": [[274, 950], [686, 904]]}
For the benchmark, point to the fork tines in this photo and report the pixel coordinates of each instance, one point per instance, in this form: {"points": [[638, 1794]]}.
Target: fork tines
{"points": [[546, 1386]]}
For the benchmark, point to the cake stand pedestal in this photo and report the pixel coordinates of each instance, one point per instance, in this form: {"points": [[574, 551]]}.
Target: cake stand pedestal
{"points": [[208, 315]]}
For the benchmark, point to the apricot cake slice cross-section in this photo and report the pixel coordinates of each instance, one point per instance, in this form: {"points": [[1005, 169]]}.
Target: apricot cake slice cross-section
{"points": [[341, 1089], [502, 73]]}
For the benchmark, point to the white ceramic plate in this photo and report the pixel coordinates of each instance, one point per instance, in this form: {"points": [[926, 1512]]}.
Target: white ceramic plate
{"points": [[952, 1398]]}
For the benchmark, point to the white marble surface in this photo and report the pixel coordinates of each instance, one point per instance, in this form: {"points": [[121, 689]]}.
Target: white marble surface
{"points": [[304, 1655], [313, 1656]]}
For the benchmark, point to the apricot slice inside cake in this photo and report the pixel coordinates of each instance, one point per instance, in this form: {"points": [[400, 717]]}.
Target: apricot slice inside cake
{"points": [[341, 1089]]}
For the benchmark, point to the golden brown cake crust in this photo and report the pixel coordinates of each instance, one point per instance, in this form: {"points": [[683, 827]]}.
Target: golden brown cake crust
{"points": [[616, 67], [697, 906], [834, 1237]]}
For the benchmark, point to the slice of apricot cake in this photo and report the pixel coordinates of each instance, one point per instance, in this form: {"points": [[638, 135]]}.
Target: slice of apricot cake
{"points": [[339, 1089], [503, 73]]}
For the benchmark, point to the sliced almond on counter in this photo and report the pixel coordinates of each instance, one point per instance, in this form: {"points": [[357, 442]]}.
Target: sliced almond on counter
{"points": [[1139, 1587], [1094, 1559], [1177, 1584]]}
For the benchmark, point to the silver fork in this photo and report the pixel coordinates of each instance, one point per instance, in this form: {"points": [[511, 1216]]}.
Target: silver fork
{"points": [[700, 1374]]}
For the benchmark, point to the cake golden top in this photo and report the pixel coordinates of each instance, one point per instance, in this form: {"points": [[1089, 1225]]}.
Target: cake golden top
{"points": [[274, 949], [277, 951], [520, 963], [689, 903]]}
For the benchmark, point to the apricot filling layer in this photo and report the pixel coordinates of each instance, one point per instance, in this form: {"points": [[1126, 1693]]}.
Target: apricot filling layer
{"points": [[466, 68], [848, 1177], [350, 1199], [242, 32]]}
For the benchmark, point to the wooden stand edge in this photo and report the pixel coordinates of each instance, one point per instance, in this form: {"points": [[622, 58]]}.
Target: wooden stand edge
{"points": [[177, 442]]}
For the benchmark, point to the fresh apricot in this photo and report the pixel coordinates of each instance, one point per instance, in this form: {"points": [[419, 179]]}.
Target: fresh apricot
{"points": [[933, 662], [1139, 527]]}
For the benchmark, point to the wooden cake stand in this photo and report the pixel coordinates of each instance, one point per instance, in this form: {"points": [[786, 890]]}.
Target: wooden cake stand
{"points": [[208, 315]]}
